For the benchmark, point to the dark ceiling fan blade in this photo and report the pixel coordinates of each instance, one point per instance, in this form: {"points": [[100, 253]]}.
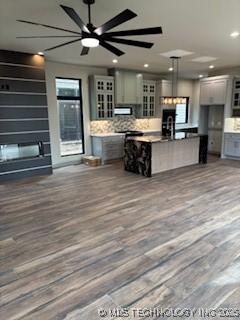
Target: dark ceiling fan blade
{"points": [[42, 37], [75, 17], [85, 51], [47, 26], [63, 44], [116, 21], [111, 48], [136, 32], [135, 43]]}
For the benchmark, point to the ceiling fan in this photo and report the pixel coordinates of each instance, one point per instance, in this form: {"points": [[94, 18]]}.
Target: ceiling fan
{"points": [[91, 36]]}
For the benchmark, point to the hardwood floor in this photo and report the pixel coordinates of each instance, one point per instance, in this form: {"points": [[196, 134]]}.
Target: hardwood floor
{"points": [[85, 239]]}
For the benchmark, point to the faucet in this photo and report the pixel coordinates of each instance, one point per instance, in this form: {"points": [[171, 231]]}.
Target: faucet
{"points": [[170, 124]]}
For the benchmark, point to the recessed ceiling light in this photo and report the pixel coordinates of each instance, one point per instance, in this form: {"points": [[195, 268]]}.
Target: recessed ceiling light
{"points": [[170, 69], [40, 53], [235, 34], [115, 61], [211, 66], [146, 65], [200, 76]]}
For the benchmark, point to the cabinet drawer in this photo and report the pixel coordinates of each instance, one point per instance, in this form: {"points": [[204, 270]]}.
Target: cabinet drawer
{"points": [[113, 149], [235, 136], [113, 154], [113, 139]]}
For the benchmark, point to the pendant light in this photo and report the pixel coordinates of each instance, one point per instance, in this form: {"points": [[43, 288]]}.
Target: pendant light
{"points": [[174, 99]]}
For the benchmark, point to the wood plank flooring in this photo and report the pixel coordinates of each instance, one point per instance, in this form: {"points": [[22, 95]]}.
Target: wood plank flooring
{"points": [[90, 238]]}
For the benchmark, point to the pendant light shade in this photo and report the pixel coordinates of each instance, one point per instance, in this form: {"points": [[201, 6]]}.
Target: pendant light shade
{"points": [[174, 99]]}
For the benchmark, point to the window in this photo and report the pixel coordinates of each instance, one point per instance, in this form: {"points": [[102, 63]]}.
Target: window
{"points": [[182, 112], [70, 116]]}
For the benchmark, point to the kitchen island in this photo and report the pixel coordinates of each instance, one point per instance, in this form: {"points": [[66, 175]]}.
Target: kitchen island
{"points": [[149, 155]]}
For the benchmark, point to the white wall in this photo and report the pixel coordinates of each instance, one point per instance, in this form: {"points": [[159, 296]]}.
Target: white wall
{"points": [[54, 70]]}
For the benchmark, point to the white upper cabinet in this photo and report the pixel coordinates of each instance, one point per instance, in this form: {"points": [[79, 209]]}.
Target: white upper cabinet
{"points": [[236, 94], [149, 97], [213, 91], [164, 88], [102, 97], [128, 87]]}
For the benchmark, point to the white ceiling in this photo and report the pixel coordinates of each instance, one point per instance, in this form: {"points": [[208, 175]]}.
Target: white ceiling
{"points": [[199, 26]]}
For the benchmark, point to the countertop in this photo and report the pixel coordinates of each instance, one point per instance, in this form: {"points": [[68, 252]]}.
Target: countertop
{"points": [[108, 134], [154, 139], [113, 134]]}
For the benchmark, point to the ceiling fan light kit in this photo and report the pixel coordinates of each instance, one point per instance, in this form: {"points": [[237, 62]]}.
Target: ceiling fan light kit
{"points": [[90, 42], [91, 36]]}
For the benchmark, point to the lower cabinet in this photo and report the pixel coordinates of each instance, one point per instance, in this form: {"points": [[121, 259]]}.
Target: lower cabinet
{"points": [[232, 145], [108, 147]]}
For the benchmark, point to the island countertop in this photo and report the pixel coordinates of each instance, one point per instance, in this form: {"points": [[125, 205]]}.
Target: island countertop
{"points": [[148, 155], [155, 139]]}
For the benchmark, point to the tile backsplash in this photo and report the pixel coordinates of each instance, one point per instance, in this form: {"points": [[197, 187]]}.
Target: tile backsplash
{"points": [[121, 123], [232, 125], [236, 124]]}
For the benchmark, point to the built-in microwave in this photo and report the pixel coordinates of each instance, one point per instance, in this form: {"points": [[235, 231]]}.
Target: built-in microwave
{"points": [[123, 111]]}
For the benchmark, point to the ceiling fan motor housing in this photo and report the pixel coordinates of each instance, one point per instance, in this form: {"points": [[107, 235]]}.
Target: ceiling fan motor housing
{"points": [[89, 1]]}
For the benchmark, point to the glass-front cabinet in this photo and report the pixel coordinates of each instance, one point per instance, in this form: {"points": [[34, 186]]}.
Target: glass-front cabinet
{"points": [[149, 96], [236, 94], [102, 97]]}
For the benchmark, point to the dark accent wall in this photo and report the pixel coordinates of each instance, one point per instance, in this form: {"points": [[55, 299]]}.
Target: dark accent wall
{"points": [[23, 112]]}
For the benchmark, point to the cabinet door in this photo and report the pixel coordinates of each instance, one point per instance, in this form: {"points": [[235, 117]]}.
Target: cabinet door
{"points": [[236, 94], [130, 88], [109, 106], [219, 89], [236, 144], [232, 145], [151, 106], [139, 86], [236, 100], [152, 94], [213, 92], [149, 92], [100, 105], [119, 87], [109, 98], [206, 97], [113, 148], [166, 88], [230, 148], [145, 105], [215, 141], [108, 86]]}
